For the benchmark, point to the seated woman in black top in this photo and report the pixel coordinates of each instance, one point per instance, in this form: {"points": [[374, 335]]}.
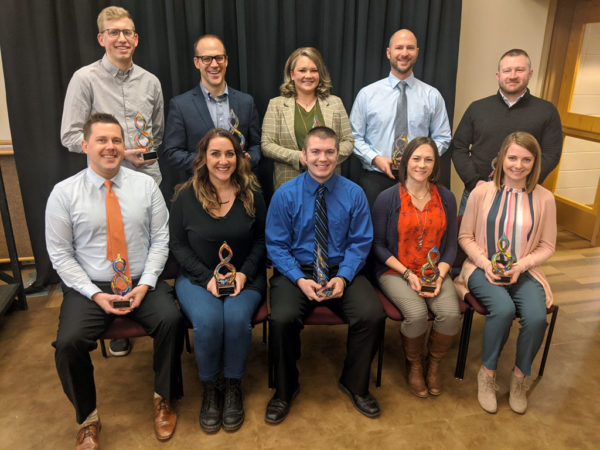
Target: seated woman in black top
{"points": [[220, 203]]}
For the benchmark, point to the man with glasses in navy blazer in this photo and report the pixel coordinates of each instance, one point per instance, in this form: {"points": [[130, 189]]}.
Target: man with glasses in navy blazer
{"points": [[211, 104]]}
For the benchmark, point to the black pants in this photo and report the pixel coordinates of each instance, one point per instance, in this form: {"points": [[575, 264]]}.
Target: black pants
{"points": [[81, 323], [359, 307], [373, 183]]}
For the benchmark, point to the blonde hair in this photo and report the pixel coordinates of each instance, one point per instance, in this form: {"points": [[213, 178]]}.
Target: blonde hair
{"points": [[288, 89], [112, 13], [242, 178], [528, 142]]}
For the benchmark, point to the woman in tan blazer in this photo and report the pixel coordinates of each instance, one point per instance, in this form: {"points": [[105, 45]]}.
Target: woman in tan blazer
{"points": [[305, 102]]}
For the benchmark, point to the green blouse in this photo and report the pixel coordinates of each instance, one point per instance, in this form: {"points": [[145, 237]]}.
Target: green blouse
{"points": [[304, 121]]}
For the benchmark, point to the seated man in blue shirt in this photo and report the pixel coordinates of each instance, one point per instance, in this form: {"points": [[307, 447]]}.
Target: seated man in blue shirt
{"points": [[319, 228]]}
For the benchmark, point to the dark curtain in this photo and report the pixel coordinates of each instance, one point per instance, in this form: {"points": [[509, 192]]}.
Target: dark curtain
{"points": [[43, 42]]}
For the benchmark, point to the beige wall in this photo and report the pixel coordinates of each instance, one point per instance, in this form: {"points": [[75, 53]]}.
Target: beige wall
{"points": [[488, 29], [4, 128]]}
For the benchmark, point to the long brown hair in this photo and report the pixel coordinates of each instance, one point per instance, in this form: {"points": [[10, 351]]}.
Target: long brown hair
{"points": [[242, 178], [528, 142]]}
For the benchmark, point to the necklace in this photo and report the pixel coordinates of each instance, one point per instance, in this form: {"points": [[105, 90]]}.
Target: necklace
{"points": [[302, 117], [418, 198], [420, 237]]}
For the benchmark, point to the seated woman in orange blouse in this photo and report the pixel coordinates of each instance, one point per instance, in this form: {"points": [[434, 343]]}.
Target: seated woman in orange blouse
{"points": [[409, 220]]}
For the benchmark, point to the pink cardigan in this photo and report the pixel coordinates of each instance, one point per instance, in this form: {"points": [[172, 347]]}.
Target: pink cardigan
{"points": [[539, 247]]}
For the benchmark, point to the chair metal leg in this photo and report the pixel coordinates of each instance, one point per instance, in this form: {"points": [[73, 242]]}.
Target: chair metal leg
{"points": [[271, 368], [186, 337], [463, 346], [264, 324], [548, 341], [380, 358], [103, 348]]}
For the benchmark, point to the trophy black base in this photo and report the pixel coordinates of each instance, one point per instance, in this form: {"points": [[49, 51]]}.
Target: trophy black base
{"points": [[146, 156], [121, 303], [226, 290], [504, 279], [427, 288]]}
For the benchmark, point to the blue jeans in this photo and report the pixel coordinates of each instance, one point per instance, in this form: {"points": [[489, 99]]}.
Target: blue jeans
{"points": [[526, 296], [222, 328]]}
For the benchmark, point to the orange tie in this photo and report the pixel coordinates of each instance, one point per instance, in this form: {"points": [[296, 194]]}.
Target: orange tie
{"points": [[116, 246]]}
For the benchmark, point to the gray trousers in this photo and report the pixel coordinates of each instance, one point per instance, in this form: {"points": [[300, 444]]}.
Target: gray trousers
{"points": [[414, 307]]}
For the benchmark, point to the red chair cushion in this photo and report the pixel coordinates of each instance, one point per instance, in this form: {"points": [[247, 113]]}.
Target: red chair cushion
{"points": [[322, 315], [123, 328]]}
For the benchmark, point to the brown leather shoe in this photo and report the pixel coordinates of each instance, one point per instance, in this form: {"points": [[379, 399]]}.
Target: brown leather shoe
{"points": [[87, 438], [165, 419]]}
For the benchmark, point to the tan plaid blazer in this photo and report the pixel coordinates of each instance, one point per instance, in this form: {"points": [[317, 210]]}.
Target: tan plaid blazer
{"points": [[279, 139]]}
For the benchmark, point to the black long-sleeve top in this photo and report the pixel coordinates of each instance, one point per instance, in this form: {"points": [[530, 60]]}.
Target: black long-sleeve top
{"points": [[488, 121], [196, 238]]}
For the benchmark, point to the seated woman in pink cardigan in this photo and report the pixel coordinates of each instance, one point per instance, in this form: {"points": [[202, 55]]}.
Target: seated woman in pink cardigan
{"points": [[511, 210]]}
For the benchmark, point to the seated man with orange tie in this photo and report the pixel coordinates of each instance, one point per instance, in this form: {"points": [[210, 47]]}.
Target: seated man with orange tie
{"points": [[318, 236], [108, 238]]}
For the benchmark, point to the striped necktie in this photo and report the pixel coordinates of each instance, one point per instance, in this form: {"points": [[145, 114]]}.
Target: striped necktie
{"points": [[320, 263]]}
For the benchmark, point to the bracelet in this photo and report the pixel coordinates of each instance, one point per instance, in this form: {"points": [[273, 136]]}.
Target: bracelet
{"points": [[407, 273]]}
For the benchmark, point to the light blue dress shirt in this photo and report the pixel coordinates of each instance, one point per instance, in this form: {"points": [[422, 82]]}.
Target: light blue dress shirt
{"points": [[290, 229], [76, 228], [374, 112], [218, 107]]}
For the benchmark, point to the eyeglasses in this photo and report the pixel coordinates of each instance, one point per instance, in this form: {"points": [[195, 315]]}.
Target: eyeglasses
{"points": [[115, 32], [206, 60]]}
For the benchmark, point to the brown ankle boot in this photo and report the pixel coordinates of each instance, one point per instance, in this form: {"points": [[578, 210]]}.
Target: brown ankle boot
{"points": [[439, 344], [413, 348]]}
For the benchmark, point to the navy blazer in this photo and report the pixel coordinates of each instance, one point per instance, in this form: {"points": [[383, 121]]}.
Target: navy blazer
{"points": [[189, 120], [385, 227]]}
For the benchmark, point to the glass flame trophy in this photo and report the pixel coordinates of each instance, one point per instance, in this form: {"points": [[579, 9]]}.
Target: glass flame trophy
{"points": [[121, 283], [502, 260], [143, 140], [225, 283], [234, 123], [430, 271], [320, 269], [399, 145]]}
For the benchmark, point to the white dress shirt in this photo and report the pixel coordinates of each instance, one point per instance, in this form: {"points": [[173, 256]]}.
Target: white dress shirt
{"points": [[76, 228]]}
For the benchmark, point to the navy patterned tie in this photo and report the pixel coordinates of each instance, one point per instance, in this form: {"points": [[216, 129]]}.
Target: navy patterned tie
{"points": [[320, 265]]}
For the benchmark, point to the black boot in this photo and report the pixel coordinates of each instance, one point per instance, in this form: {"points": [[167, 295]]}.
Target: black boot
{"points": [[212, 407], [233, 411]]}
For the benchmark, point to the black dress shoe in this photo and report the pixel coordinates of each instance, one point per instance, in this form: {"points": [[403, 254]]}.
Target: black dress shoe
{"points": [[365, 404], [277, 409], [211, 412], [233, 408]]}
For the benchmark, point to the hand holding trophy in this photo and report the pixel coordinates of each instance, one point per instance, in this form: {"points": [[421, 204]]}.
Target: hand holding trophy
{"points": [[225, 271], [430, 271], [502, 260]]}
